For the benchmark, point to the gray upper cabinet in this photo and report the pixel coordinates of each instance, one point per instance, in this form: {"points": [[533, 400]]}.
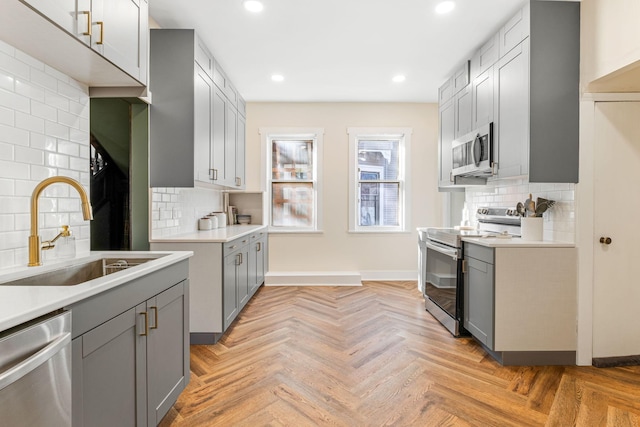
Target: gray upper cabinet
{"points": [[537, 97], [120, 34], [482, 108], [485, 57], [514, 31], [113, 36], [195, 133], [524, 79], [446, 112]]}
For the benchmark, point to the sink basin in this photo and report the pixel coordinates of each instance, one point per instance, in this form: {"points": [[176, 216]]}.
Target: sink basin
{"points": [[79, 273]]}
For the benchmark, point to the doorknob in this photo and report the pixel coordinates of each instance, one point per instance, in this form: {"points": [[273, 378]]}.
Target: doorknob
{"points": [[605, 240]]}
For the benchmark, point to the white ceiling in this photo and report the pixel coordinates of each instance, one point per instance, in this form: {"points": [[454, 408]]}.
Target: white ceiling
{"points": [[337, 50]]}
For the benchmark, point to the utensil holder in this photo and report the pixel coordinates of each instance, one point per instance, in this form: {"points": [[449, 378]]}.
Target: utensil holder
{"points": [[531, 228]]}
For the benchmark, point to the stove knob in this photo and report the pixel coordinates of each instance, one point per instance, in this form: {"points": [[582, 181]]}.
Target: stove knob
{"points": [[479, 211]]}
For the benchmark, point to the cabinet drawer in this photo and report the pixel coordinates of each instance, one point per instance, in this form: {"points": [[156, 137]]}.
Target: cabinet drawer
{"points": [[235, 245], [478, 252]]}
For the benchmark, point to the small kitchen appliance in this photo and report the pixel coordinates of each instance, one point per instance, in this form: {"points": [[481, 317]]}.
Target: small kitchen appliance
{"points": [[440, 262], [472, 154]]}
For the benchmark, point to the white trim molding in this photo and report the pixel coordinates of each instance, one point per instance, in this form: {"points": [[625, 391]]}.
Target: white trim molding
{"points": [[313, 278]]}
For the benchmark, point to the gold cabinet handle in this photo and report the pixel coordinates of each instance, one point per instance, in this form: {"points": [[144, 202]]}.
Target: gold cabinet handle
{"points": [[238, 181], [238, 262], [146, 324], [155, 317], [259, 246], [213, 173], [88, 13], [101, 32]]}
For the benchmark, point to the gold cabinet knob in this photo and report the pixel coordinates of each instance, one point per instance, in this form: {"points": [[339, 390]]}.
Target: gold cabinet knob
{"points": [[605, 240]]}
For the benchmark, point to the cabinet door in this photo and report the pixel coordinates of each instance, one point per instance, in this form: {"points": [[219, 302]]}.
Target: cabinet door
{"points": [[203, 129], [511, 132], [240, 153], [73, 16], [117, 33], [445, 92], [243, 276], [254, 254], [231, 135], [463, 112], [166, 351], [218, 144], [447, 135], [230, 289], [514, 31], [482, 99], [262, 259], [479, 300], [109, 375], [485, 57]]}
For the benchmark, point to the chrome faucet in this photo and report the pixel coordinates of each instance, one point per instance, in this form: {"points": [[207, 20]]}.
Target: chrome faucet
{"points": [[34, 239]]}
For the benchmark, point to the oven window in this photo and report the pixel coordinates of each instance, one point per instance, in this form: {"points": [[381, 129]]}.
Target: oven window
{"points": [[440, 280]]}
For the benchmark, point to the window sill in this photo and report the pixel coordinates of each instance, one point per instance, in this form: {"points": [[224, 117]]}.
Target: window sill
{"points": [[278, 231], [379, 232]]}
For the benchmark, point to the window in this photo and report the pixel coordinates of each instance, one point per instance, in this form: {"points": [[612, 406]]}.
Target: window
{"points": [[378, 185], [293, 158]]}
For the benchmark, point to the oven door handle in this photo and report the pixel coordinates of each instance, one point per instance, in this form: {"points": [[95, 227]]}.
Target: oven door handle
{"points": [[453, 253]]}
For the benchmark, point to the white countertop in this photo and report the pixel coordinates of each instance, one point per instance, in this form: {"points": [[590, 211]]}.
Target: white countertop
{"points": [[217, 235], [516, 242], [19, 304]]}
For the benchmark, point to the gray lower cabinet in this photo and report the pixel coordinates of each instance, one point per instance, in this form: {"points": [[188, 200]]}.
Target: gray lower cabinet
{"points": [[130, 350], [223, 278], [479, 293]]}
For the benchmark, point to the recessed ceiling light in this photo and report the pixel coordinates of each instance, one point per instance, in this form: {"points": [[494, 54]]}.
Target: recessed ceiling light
{"points": [[277, 77], [445, 7], [399, 78], [254, 6]]}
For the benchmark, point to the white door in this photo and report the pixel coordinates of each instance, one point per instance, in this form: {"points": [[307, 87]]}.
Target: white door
{"points": [[616, 330]]}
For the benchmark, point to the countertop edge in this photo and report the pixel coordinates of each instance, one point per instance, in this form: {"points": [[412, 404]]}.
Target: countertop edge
{"points": [[492, 242], [19, 304], [217, 235]]}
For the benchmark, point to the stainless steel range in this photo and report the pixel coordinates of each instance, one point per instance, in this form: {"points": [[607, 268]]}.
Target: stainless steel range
{"points": [[441, 260]]}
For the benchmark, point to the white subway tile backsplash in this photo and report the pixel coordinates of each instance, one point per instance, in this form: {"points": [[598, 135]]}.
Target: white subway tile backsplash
{"points": [[559, 223], [44, 131], [9, 169], [14, 135], [29, 155], [44, 111], [176, 210]]}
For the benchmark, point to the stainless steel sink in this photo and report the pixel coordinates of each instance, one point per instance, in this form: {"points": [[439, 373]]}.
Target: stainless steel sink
{"points": [[79, 273]]}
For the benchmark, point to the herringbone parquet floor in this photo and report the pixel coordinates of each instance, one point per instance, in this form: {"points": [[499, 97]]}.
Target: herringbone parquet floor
{"points": [[372, 356]]}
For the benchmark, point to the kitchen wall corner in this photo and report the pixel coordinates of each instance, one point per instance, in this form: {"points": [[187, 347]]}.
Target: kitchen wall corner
{"points": [[44, 131], [559, 221], [176, 210]]}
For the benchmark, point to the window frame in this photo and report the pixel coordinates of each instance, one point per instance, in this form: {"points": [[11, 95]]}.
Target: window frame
{"points": [[403, 136], [268, 136]]}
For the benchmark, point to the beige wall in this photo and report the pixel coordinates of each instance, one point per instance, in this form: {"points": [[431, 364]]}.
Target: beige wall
{"points": [[336, 250]]}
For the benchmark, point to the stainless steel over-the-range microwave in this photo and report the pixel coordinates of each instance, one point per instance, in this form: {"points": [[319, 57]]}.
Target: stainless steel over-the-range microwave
{"points": [[472, 154]]}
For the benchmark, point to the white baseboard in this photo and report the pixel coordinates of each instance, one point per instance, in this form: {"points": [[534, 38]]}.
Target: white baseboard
{"points": [[390, 275], [313, 278], [333, 278]]}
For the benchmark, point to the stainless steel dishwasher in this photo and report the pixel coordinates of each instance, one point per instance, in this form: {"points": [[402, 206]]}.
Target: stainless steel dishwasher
{"points": [[35, 373]]}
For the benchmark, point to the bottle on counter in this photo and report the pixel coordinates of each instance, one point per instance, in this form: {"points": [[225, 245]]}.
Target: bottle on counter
{"points": [[66, 244]]}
